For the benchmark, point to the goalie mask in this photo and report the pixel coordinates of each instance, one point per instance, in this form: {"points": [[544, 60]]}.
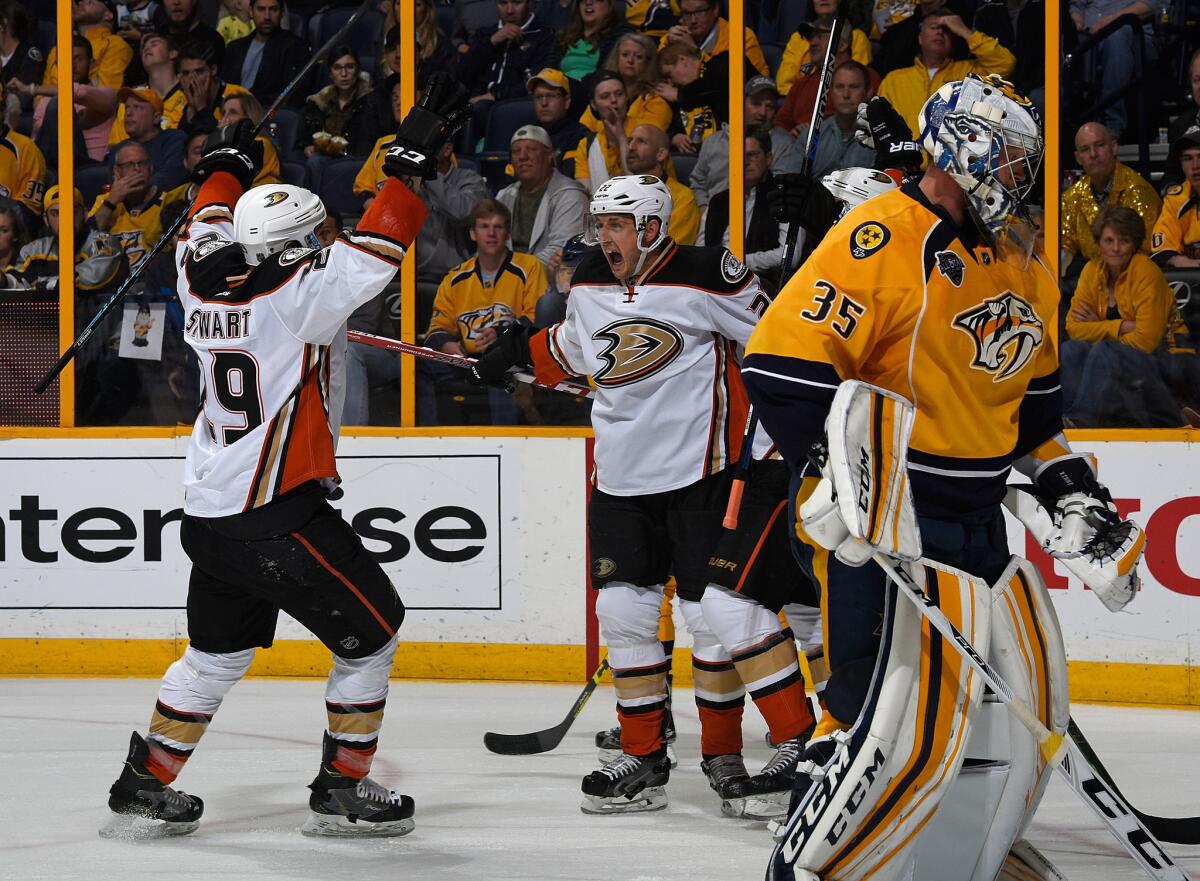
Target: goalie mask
{"points": [[641, 195], [989, 139], [270, 218]]}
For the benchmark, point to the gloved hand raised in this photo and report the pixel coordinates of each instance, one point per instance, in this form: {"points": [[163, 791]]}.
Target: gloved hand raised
{"points": [[443, 110], [798, 198], [881, 128], [511, 349], [234, 149]]}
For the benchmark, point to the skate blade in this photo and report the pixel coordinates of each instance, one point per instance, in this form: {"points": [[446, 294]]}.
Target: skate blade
{"points": [[766, 806], [607, 755], [132, 827], [337, 826], [652, 798]]}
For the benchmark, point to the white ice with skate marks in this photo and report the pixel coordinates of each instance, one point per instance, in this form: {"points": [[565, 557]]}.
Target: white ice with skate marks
{"points": [[478, 815]]}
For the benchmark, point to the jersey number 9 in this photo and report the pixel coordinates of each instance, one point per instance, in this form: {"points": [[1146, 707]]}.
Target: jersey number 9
{"points": [[235, 386]]}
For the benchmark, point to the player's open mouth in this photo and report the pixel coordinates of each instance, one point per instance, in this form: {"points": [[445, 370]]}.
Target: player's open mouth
{"points": [[614, 257]]}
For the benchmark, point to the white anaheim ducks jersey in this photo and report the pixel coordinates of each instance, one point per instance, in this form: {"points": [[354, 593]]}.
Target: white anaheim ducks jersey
{"points": [[269, 340], [670, 408]]}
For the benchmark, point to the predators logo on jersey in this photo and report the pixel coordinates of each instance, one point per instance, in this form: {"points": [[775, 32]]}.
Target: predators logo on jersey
{"points": [[1006, 331], [635, 348], [492, 315]]}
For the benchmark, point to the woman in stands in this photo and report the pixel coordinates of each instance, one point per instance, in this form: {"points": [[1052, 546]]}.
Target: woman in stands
{"points": [[590, 35], [341, 119], [12, 234], [1127, 346], [634, 57]]}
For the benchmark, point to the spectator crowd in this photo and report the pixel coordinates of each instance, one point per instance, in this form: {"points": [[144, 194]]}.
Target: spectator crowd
{"points": [[564, 95]]}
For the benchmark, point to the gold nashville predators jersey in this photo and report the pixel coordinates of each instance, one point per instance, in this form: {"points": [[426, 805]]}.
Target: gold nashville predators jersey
{"points": [[670, 408], [466, 302], [269, 339], [1177, 230], [898, 295]]}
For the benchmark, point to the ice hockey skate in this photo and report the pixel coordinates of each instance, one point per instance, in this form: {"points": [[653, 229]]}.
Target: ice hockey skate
{"points": [[728, 777], [342, 806], [628, 784], [769, 792], [144, 808]]}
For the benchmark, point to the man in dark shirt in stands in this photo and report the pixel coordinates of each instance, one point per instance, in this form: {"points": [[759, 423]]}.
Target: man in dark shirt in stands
{"points": [[267, 60], [180, 21]]}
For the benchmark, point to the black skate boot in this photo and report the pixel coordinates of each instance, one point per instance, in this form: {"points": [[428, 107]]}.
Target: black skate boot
{"points": [[769, 792], [144, 808], [626, 785], [354, 807], [728, 777]]}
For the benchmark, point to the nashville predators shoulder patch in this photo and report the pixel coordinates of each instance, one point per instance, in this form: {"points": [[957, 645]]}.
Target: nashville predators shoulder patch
{"points": [[868, 238]]}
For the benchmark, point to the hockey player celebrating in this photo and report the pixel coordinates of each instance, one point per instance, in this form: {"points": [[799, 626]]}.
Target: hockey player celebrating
{"points": [[656, 325], [930, 293], [265, 314]]}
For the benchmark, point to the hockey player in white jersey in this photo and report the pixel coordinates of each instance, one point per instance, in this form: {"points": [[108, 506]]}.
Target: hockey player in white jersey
{"points": [[657, 327], [265, 311]]}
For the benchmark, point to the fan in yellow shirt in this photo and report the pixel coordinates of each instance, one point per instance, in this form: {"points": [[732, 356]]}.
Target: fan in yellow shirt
{"points": [[701, 25], [110, 53], [796, 53]]}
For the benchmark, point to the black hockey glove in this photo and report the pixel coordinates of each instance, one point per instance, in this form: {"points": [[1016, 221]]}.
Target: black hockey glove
{"points": [[797, 198], [511, 349], [884, 130], [443, 110], [233, 149]]}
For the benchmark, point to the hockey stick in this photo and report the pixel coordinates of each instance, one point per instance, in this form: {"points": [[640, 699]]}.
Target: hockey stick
{"points": [[1177, 830], [169, 233], [543, 741], [814, 138], [743, 469], [463, 361], [1059, 752]]}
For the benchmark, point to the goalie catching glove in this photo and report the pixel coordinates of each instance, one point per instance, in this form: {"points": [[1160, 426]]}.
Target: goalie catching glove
{"points": [[1072, 516], [427, 127], [863, 503]]}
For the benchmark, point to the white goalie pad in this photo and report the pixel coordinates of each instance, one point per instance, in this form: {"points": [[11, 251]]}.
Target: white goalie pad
{"points": [[977, 832], [1106, 562], [868, 431], [861, 816]]}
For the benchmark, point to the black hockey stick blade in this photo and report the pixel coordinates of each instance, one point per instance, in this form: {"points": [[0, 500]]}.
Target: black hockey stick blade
{"points": [[1176, 830], [543, 741]]}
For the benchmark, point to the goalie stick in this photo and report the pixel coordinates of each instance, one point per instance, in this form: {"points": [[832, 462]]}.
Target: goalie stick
{"points": [[543, 741], [463, 361], [168, 234]]}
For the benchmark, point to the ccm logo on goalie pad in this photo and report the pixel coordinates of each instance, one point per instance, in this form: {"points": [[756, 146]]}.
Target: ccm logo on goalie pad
{"points": [[811, 813], [1006, 331]]}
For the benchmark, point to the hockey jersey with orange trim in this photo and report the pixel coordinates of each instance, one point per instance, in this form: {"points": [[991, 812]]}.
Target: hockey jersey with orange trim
{"points": [[270, 341], [898, 295], [670, 407]]}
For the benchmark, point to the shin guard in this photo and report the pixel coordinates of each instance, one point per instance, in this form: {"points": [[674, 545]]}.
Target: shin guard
{"points": [[191, 693], [863, 811], [720, 695], [629, 618], [355, 696]]}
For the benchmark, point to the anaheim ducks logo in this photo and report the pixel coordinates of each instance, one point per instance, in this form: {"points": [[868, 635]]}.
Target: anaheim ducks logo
{"points": [[1006, 332], [274, 198], [637, 348]]}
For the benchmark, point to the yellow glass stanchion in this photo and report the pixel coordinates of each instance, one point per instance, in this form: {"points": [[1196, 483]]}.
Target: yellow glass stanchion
{"points": [[408, 269], [737, 131], [1052, 161], [66, 213]]}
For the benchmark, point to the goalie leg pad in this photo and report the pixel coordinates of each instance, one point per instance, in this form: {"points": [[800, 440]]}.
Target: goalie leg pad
{"points": [[868, 433], [720, 695], [996, 793], [628, 618], [191, 693], [355, 697], [860, 816]]}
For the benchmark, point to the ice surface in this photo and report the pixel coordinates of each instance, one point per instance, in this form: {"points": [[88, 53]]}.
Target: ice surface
{"points": [[479, 816]]}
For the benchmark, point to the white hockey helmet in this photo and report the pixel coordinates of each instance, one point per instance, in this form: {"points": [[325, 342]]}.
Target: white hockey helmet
{"points": [[976, 128], [641, 195], [853, 186], [270, 218]]}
